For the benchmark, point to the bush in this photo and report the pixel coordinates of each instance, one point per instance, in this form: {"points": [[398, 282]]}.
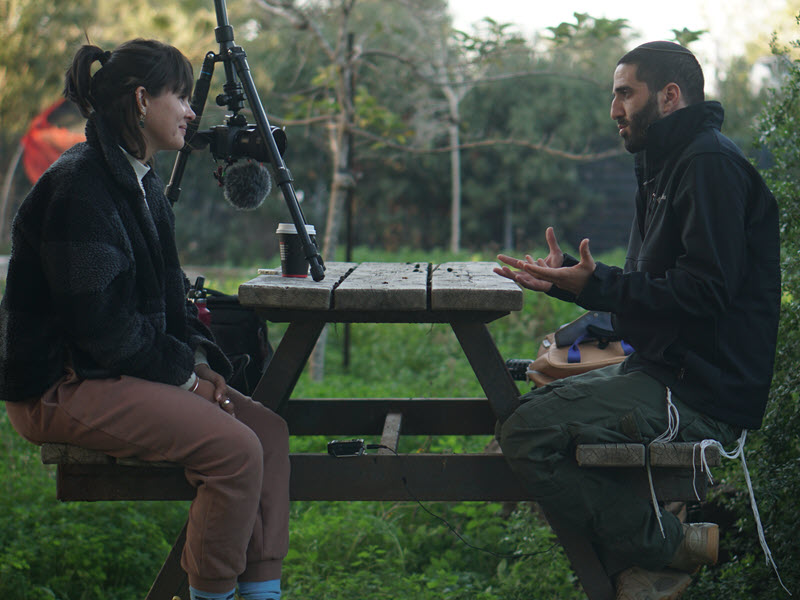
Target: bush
{"points": [[774, 450], [76, 551]]}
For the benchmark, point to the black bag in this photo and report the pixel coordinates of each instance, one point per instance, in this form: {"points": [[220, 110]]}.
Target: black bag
{"points": [[240, 334], [592, 325]]}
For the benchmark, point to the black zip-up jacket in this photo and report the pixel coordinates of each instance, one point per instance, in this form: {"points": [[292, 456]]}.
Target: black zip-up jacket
{"points": [[699, 296], [94, 279]]}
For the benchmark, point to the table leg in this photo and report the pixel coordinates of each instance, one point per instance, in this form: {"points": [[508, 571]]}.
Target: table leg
{"points": [[171, 580], [489, 367], [281, 375], [391, 433], [583, 558]]}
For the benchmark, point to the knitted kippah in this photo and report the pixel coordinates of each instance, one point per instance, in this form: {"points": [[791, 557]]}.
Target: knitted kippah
{"points": [[671, 47]]}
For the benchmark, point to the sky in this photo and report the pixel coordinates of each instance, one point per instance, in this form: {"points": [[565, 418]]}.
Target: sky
{"points": [[730, 23]]}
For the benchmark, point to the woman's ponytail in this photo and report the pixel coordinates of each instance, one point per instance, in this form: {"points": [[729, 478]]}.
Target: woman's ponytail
{"points": [[79, 84]]}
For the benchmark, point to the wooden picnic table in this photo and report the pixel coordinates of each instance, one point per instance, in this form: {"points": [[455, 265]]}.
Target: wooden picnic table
{"points": [[465, 295]]}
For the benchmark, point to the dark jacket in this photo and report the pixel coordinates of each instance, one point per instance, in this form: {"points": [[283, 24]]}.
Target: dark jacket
{"points": [[94, 280], [699, 296]]}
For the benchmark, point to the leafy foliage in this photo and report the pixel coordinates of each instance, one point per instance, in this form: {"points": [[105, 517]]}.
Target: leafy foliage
{"points": [[541, 95], [73, 551], [775, 449]]}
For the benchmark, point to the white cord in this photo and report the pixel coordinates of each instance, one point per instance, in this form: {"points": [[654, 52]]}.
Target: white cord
{"points": [[673, 422], [738, 452], [673, 426]]}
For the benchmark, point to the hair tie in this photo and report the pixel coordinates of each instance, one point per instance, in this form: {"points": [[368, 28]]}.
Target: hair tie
{"points": [[103, 58]]}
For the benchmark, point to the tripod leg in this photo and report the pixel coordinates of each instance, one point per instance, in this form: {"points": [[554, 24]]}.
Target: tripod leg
{"points": [[173, 190], [282, 174]]}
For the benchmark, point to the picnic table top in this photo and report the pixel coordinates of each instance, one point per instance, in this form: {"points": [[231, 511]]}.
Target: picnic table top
{"points": [[380, 286]]}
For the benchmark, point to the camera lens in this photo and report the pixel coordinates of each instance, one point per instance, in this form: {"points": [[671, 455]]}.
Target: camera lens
{"points": [[248, 142]]}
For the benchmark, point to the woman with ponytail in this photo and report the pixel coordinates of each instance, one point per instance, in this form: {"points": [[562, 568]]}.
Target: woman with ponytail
{"points": [[98, 345]]}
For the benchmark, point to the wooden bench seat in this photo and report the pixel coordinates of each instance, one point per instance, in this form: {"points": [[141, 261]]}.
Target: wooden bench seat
{"points": [[674, 455], [86, 475], [677, 454], [471, 477], [90, 475], [676, 477]]}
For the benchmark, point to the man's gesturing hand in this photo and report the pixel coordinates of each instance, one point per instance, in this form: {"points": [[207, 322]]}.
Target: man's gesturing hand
{"points": [[570, 279], [541, 274], [555, 259]]}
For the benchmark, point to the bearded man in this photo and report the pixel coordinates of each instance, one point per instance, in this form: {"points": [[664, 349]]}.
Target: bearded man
{"points": [[698, 299]]}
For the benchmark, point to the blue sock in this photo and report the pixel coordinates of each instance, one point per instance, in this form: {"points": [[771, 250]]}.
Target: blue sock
{"points": [[198, 595], [260, 590]]}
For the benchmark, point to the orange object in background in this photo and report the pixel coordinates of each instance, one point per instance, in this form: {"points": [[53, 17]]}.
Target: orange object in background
{"points": [[50, 133]]}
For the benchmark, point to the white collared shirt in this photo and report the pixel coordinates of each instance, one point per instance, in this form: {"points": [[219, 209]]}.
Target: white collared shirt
{"points": [[139, 168]]}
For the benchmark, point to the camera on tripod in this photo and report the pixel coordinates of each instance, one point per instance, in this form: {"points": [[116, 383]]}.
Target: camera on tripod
{"points": [[236, 140]]}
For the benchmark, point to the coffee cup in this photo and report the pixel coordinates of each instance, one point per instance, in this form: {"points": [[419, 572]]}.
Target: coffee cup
{"points": [[293, 257]]}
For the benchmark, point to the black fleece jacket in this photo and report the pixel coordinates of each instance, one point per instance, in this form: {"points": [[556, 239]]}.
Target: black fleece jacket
{"points": [[699, 296], [94, 280]]}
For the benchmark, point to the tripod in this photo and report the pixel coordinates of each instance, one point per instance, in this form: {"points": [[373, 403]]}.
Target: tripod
{"points": [[237, 72]]}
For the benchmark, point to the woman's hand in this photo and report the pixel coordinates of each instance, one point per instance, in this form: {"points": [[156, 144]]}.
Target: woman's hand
{"points": [[213, 387]]}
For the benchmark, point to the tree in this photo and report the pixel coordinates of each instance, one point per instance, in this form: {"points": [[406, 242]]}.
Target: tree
{"points": [[459, 65], [335, 81], [439, 67], [456, 65], [538, 118]]}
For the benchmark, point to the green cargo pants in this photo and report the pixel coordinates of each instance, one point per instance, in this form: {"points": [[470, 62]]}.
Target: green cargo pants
{"points": [[607, 405]]}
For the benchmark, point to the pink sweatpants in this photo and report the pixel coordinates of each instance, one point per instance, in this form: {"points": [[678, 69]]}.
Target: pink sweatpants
{"points": [[239, 521]]}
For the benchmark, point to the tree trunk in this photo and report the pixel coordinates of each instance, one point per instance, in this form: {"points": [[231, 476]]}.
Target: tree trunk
{"points": [[6, 192], [508, 224], [339, 189], [341, 185], [455, 184]]}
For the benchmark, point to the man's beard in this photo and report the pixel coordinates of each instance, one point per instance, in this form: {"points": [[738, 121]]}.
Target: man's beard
{"points": [[638, 124]]}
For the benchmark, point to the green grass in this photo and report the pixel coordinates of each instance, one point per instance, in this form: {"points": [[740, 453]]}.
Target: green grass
{"points": [[358, 550]]}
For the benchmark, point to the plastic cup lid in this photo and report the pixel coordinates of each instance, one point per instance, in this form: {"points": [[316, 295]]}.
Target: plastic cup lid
{"points": [[290, 228]]}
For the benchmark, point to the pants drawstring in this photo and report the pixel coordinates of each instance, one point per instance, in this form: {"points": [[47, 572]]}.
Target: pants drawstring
{"points": [[737, 452], [673, 426]]}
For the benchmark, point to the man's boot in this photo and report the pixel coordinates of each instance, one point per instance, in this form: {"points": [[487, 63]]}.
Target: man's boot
{"points": [[700, 546]]}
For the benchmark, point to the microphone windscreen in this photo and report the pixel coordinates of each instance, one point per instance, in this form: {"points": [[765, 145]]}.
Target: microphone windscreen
{"points": [[246, 184]]}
